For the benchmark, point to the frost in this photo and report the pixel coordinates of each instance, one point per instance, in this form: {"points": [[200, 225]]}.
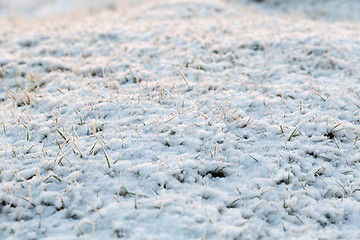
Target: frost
{"points": [[179, 119]]}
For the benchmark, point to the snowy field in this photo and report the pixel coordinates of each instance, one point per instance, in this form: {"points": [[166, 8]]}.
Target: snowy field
{"points": [[201, 119]]}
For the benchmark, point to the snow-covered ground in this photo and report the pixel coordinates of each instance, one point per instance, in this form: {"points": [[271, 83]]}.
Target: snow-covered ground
{"points": [[180, 119]]}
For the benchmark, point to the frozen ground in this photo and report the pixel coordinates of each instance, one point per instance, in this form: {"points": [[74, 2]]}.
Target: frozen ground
{"points": [[180, 120]]}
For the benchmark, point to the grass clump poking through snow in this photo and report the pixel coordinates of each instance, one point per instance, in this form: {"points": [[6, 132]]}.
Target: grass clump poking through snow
{"points": [[180, 120]]}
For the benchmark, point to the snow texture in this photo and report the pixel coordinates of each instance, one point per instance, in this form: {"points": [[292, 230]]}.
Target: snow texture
{"points": [[180, 119]]}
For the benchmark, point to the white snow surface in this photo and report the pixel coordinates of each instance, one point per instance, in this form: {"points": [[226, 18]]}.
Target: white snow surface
{"points": [[180, 119]]}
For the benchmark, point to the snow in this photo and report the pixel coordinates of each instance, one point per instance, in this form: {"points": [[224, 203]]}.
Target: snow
{"points": [[179, 119]]}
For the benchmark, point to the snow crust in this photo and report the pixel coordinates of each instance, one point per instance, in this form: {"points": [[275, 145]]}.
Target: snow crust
{"points": [[180, 119]]}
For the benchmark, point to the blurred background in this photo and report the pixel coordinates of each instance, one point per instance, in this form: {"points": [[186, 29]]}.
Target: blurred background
{"points": [[45, 8], [330, 10]]}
